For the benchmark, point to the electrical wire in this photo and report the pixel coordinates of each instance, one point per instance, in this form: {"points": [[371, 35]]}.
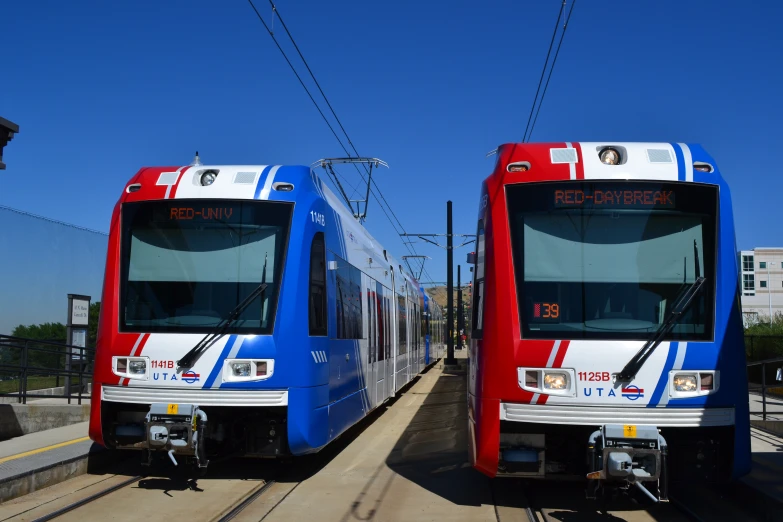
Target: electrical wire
{"points": [[565, 27], [543, 71], [312, 75]]}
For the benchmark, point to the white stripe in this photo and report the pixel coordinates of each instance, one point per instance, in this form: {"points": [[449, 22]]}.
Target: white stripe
{"points": [[553, 354], [268, 184], [314, 358], [535, 398], [231, 354], [678, 359], [688, 159], [324, 356], [168, 189], [571, 166], [125, 380], [681, 347], [136, 346]]}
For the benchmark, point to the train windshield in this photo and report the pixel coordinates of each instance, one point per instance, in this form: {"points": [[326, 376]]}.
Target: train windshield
{"points": [[608, 259], [186, 264]]}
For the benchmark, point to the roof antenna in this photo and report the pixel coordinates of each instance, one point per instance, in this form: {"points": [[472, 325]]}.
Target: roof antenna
{"points": [[196, 161]]}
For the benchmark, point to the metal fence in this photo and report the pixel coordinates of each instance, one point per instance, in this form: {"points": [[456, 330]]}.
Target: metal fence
{"points": [[36, 369], [765, 379]]}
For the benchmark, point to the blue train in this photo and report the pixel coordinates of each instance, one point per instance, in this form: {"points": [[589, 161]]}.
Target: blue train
{"points": [[246, 310]]}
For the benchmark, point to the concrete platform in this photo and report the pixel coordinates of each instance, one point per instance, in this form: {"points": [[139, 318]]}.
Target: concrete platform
{"points": [[41, 459], [410, 464]]}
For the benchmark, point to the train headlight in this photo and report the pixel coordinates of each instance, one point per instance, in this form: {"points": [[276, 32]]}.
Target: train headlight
{"points": [[240, 370], [138, 367], [208, 177], [685, 382], [555, 381], [609, 156]]}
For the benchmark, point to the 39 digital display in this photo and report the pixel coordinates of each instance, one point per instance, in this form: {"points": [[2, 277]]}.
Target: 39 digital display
{"points": [[546, 311], [615, 198]]}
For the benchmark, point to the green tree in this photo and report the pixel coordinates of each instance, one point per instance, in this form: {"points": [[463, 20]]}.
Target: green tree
{"points": [[764, 338]]}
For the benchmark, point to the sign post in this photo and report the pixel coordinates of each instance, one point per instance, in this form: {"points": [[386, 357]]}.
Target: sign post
{"points": [[76, 331]]}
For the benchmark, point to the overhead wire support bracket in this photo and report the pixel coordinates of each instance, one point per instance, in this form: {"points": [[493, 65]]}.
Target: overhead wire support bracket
{"points": [[425, 236], [405, 258], [328, 165]]}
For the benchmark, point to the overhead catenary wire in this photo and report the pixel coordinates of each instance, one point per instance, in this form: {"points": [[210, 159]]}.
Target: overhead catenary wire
{"points": [[565, 27], [382, 197], [348, 138], [543, 71]]}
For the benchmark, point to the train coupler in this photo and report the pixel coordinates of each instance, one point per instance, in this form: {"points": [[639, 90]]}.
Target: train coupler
{"points": [[625, 456], [177, 429]]}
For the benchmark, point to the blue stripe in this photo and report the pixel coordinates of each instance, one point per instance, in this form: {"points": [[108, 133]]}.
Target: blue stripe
{"points": [[219, 363], [663, 381], [680, 162], [261, 180]]}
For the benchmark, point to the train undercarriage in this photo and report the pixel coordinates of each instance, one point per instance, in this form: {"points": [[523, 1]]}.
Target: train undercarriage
{"points": [[617, 456], [195, 434]]}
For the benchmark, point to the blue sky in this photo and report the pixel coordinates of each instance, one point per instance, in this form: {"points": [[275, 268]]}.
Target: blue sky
{"points": [[101, 89]]}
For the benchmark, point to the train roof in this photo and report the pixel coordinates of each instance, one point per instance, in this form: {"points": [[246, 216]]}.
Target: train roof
{"points": [[521, 162]]}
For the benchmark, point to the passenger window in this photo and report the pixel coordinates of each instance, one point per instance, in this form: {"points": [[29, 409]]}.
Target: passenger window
{"points": [[317, 286]]}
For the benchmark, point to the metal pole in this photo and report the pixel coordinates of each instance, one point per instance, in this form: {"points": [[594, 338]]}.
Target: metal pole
{"points": [[459, 308], [769, 292], [449, 289], [764, 391]]}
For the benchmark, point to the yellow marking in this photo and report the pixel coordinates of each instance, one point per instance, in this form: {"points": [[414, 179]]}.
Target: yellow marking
{"points": [[173, 408], [41, 450], [629, 431]]}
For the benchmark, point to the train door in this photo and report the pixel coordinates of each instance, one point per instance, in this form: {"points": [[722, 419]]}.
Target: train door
{"points": [[391, 356], [370, 382], [401, 357], [379, 375]]}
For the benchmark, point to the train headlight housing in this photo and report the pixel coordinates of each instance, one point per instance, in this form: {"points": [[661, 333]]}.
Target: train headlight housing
{"points": [[555, 380], [693, 383], [131, 367], [547, 381], [241, 370]]}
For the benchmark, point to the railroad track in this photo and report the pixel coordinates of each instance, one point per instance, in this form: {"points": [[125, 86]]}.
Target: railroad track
{"points": [[538, 502], [114, 493]]}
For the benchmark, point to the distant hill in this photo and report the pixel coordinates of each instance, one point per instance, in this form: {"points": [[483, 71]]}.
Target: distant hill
{"points": [[438, 293]]}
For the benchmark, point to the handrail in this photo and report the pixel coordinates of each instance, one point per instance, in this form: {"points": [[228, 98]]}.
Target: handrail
{"points": [[22, 358]]}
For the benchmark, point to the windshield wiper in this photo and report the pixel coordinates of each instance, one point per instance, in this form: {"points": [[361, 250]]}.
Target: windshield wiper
{"points": [[678, 309], [219, 331]]}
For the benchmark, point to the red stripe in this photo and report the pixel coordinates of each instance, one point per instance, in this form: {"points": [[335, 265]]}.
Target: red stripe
{"points": [[580, 164]]}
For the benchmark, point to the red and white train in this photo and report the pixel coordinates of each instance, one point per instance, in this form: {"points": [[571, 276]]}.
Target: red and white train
{"points": [[606, 335]]}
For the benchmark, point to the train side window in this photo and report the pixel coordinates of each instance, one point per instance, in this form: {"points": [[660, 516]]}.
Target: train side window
{"points": [[348, 300], [317, 307], [478, 284]]}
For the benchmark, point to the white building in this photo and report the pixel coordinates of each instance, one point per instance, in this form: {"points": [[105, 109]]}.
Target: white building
{"points": [[762, 283]]}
